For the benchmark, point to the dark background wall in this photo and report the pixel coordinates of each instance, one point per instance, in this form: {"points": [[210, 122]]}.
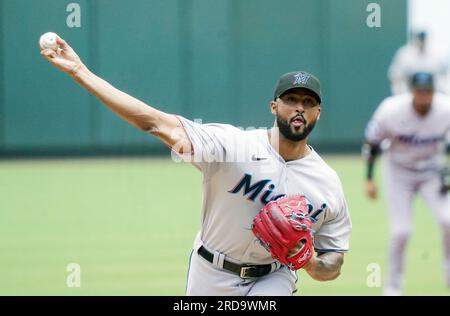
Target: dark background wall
{"points": [[211, 60]]}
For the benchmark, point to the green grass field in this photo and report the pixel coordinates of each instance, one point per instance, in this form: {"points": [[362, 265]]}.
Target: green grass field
{"points": [[130, 224]]}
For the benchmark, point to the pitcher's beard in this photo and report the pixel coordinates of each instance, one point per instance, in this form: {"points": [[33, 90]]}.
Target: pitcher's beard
{"points": [[289, 133]]}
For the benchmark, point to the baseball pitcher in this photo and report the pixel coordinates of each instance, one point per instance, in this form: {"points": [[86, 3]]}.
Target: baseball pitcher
{"points": [[271, 205]]}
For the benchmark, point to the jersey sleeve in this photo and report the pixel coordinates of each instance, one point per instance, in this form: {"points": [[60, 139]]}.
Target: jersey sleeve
{"points": [[334, 234], [376, 130], [397, 69], [210, 143]]}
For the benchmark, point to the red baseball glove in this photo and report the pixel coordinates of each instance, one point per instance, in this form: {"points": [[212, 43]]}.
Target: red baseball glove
{"points": [[284, 224]]}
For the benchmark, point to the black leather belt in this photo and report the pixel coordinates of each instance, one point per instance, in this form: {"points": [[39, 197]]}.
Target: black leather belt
{"points": [[244, 271]]}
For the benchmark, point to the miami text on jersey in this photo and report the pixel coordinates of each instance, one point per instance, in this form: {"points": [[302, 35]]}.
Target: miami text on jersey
{"points": [[264, 189], [417, 141], [255, 190]]}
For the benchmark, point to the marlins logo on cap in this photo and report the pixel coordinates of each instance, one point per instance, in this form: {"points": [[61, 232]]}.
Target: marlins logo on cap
{"points": [[298, 79], [301, 78]]}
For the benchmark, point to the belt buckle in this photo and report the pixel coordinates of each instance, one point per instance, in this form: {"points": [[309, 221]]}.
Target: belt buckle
{"points": [[243, 273]]}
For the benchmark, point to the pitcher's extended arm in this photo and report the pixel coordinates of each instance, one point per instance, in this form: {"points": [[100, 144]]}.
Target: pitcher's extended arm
{"points": [[144, 117]]}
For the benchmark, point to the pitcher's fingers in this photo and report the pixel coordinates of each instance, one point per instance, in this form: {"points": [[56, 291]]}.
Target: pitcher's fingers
{"points": [[62, 43], [48, 53]]}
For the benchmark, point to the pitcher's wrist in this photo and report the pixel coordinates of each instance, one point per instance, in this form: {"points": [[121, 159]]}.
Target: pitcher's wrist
{"points": [[77, 70], [309, 267]]}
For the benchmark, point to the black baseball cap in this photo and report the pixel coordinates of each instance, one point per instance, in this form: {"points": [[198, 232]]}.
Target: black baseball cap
{"points": [[422, 35], [422, 80], [298, 79]]}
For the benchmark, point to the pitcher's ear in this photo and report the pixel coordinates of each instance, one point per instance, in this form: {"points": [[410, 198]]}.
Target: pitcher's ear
{"points": [[273, 107]]}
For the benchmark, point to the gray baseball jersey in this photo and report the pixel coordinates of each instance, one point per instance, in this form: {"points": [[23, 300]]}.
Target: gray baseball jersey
{"points": [[417, 143], [242, 172], [413, 159]]}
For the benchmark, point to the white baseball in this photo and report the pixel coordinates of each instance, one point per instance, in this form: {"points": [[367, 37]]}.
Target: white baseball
{"points": [[48, 41]]}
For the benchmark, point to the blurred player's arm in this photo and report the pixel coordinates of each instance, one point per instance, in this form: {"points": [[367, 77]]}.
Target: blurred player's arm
{"points": [[165, 126], [445, 172], [326, 266], [371, 152], [376, 132]]}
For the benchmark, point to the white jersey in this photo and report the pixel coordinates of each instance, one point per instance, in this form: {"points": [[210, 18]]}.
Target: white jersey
{"points": [[409, 60], [416, 143], [242, 172]]}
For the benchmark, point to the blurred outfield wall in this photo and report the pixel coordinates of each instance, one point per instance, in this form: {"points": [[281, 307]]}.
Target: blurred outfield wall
{"points": [[215, 60]]}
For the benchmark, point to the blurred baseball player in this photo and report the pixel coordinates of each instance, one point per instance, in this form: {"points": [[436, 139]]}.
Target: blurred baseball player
{"points": [[416, 124], [243, 171], [418, 56]]}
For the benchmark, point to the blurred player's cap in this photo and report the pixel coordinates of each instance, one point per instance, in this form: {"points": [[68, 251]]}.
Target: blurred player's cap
{"points": [[298, 79], [422, 80], [422, 35]]}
